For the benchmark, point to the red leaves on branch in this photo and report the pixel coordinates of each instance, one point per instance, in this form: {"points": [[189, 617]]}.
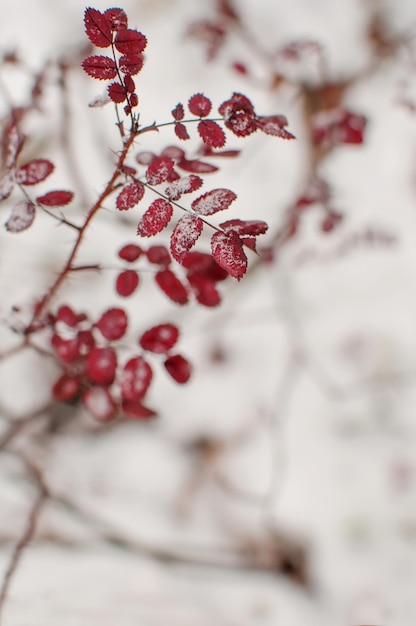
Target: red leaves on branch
{"points": [[179, 368], [117, 18], [185, 235], [127, 283], [156, 218], [159, 170], [131, 64], [213, 201], [55, 198], [181, 131], [135, 379], [170, 284], [199, 105], [113, 324], [186, 184], [159, 339], [34, 172], [98, 28], [100, 67], [211, 133], [22, 216], [227, 250], [129, 196]]}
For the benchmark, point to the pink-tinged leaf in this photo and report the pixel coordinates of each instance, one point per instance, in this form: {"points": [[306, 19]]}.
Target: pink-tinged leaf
{"points": [[179, 368], [117, 92], [55, 198], [100, 67], [130, 252], [137, 410], [65, 388], [173, 152], [159, 170], [156, 218], [196, 166], [101, 366], [213, 201], [204, 288], [14, 144], [66, 349], [186, 184], [22, 216], [211, 134], [131, 64], [98, 28], [117, 18], [34, 172], [178, 112], [160, 339], [127, 283], [113, 324], [181, 131], [86, 342], [158, 255], [238, 114], [185, 235], [145, 158], [274, 125], [243, 227], [331, 221], [67, 315], [6, 185], [207, 151], [170, 284], [228, 252], [135, 379], [98, 402], [129, 196], [130, 41], [199, 105]]}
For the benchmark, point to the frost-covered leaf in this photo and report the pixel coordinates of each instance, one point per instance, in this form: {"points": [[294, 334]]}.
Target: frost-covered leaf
{"points": [[159, 339], [34, 172], [186, 184], [101, 366], [117, 18], [170, 284], [199, 105], [179, 368], [113, 324], [117, 92], [135, 379], [159, 170], [99, 402], [100, 67], [185, 235], [6, 185], [211, 133], [98, 28], [22, 216], [130, 41], [127, 283], [228, 252], [131, 64], [13, 145], [156, 218], [213, 201], [243, 227], [129, 196], [274, 125], [55, 198]]}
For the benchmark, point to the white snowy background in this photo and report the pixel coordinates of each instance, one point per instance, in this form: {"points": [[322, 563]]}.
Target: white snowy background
{"points": [[311, 415]]}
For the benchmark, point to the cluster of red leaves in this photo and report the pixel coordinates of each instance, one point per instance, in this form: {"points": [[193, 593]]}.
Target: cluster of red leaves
{"points": [[22, 176], [110, 29], [338, 126], [92, 369]]}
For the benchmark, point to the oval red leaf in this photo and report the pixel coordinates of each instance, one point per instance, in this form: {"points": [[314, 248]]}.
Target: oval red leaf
{"points": [[213, 201], [228, 252], [127, 283], [159, 339], [159, 170], [117, 18], [117, 92], [179, 368], [130, 252], [129, 196], [186, 184], [199, 105], [196, 166], [98, 28], [34, 172], [170, 284], [56, 198], [211, 134], [113, 324], [135, 379], [65, 388], [101, 366], [131, 64], [185, 235], [156, 218], [100, 67], [181, 131], [21, 217]]}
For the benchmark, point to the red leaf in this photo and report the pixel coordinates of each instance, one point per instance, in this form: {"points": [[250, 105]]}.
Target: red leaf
{"points": [[228, 252], [186, 184], [66, 349], [137, 410], [172, 286], [204, 288], [181, 131], [117, 18], [22, 215], [99, 403], [130, 252], [34, 172], [184, 236], [135, 379], [129, 84], [101, 366], [56, 198], [14, 144], [211, 134], [86, 342], [199, 105], [117, 92], [98, 28], [127, 283], [196, 166], [179, 368], [6, 185], [156, 218], [67, 315], [65, 388], [131, 64], [178, 112], [100, 67], [197, 261], [129, 196], [159, 170], [242, 227], [159, 339], [145, 158], [159, 255], [130, 41], [213, 201], [113, 324], [239, 116]]}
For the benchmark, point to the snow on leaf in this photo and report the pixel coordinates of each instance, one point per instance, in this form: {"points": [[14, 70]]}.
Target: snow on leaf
{"points": [[6, 185], [228, 252], [14, 144], [55, 198], [178, 112], [186, 184], [211, 134], [34, 172], [129, 196], [99, 403], [100, 67], [181, 131], [159, 170], [179, 368], [101, 366], [22, 215], [135, 379], [185, 235], [117, 18], [170, 284], [113, 324], [127, 283], [213, 201], [156, 218], [130, 41], [117, 92], [243, 227], [199, 105], [98, 28], [159, 339], [131, 64]]}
